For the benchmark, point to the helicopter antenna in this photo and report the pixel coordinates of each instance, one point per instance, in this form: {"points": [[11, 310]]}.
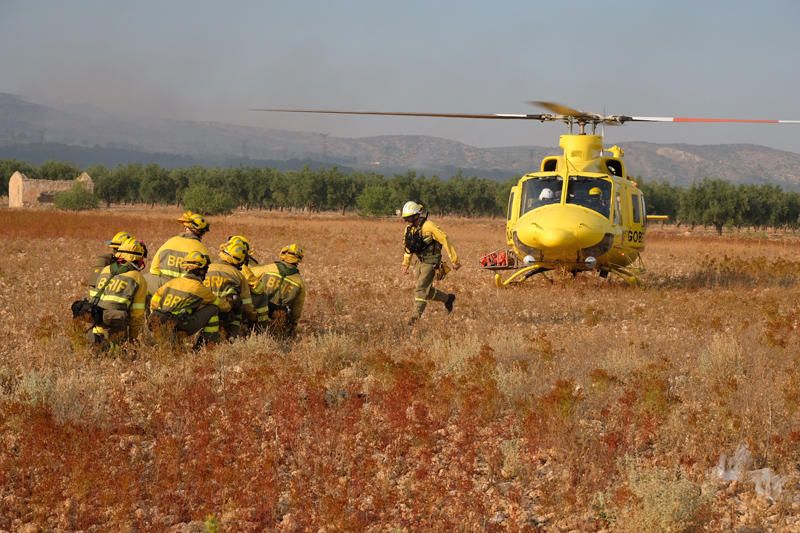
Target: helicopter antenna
{"points": [[603, 125]]}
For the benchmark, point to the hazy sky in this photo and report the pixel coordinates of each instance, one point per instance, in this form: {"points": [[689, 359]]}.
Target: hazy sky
{"points": [[211, 61]]}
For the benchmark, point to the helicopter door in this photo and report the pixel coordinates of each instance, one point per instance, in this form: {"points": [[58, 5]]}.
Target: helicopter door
{"points": [[635, 234], [511, 213], [617, 210]]}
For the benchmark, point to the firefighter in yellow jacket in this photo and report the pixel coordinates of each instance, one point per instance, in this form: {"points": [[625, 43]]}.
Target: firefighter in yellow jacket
{"points": [[425, 240], [184, 304], [121, 293], [284, 288], [103, 260], [226, 281], [260, 305], [166, 264]]}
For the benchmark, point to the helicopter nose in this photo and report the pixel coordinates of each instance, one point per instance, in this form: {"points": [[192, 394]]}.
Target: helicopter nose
{"points": [[561, 231], [556, 238]]}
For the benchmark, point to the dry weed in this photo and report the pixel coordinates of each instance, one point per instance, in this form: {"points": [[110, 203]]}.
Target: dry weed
{"points": [[566, 405]]}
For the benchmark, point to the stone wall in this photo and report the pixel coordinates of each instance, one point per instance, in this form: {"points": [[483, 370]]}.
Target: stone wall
{"points": [[26, 192]]}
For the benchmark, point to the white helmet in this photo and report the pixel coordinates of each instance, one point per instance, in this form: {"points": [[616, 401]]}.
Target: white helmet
{"points": [[412, 208], [546, 194]]}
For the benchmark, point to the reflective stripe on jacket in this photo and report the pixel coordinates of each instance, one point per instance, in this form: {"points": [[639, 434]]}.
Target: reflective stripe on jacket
{"points": [[168, 258], [226, 280], [184, 295], [283, 291], [126, 292]]}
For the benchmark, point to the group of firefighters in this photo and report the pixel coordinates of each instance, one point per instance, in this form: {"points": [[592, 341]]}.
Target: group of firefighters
{"points": [[188, 293]]}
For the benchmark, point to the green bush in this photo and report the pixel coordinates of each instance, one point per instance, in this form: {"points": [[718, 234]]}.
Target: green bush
{"points": [[76, 199], [376, 200], [207, 201]]}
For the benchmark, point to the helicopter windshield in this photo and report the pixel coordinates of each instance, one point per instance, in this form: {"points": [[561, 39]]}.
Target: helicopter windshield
{"points": [[593, 193], [540, 191]]}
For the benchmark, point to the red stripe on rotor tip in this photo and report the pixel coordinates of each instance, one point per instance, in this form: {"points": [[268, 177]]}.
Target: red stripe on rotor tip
{"points": [[739, 120]]}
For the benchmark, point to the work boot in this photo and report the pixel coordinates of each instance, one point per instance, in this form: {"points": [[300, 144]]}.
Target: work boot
{"points": [[448, 304]]}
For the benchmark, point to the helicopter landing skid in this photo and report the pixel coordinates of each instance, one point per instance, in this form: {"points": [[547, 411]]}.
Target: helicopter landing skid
{"points": [[521, 275], [626, 275], [630, 274]]}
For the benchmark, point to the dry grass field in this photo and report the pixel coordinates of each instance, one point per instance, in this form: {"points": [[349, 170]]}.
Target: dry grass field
{"points": [[560, 405]]}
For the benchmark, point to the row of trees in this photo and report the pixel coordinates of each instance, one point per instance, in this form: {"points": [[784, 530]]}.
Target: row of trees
{"points": [[711, 202], [718, 203], [217, 190]]}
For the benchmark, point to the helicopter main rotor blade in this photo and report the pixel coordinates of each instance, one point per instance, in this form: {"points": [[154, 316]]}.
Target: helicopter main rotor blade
{"points": [[623, 119], [560, 109], [512, 116]]}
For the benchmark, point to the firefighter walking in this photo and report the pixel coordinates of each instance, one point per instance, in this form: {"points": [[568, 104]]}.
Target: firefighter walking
{"points": [[425, 240]]}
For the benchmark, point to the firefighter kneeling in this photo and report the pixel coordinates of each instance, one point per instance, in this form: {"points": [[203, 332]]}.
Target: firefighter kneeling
{"points": [[120, 296], [226, 281], [185, 305], [285, 290]]}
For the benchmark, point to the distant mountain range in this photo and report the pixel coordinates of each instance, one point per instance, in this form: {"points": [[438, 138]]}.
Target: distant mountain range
{"points": [[84, 135]]}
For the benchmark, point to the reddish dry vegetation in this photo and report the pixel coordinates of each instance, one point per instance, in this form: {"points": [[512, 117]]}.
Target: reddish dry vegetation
{"points": [[563, 404]]}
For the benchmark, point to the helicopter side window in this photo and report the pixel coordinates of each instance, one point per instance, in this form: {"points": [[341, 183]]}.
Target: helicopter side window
{"points": [[592, 193], [510, 204], [540, 191], [637, 209], [644, 210], [617, 212]]}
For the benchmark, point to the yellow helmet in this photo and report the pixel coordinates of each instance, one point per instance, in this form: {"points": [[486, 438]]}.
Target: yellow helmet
{"points": [[194, 222], [131, 251], [594, 191], [234, 254], [195, 260], [412, 208], [244, 241], [292, 254], [118, 239], [238, 239]]}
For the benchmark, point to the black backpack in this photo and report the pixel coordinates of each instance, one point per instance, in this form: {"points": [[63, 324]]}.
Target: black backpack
{"points": [[414, 241]]}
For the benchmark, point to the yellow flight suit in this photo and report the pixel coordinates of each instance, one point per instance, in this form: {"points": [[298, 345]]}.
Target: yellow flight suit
{"points": [[102, 261], [429, 256], [284, 288], [188, 306], [260, 299], [228, 283], [122, 299], [166, 264]]}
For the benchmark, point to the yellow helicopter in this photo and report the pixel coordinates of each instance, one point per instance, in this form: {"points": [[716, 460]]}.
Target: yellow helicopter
{"points": [[580, 211]]}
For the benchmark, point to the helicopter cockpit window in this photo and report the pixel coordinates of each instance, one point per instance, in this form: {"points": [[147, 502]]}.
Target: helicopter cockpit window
{"points": [[540, 191], [594, 193]]}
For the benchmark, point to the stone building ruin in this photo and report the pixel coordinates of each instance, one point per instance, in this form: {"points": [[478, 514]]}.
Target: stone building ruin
{"points": [[27, 192]]}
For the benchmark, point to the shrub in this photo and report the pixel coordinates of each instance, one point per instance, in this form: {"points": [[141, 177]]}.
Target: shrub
{"points": [[376, 200], [667, 500], [76, 199], [207, 201]]}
